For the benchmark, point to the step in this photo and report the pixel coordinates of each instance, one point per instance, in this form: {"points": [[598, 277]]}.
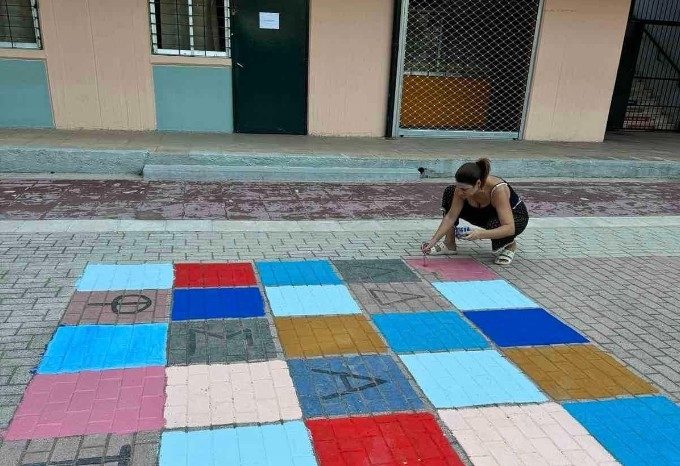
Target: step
{"points": [[276, 173]]}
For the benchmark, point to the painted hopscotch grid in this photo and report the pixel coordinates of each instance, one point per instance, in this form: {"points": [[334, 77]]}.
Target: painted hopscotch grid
{"points": [[463, 374]]}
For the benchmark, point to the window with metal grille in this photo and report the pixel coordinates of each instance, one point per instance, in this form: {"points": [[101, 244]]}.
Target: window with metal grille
{"points": [[19, 24], [190, 27]]}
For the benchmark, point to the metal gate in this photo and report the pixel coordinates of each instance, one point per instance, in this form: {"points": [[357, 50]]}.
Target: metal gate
{"points": [[463, 67], [647, 90]]}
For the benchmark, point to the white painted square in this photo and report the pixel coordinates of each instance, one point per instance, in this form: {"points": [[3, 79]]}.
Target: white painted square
{"points": [[222, 394], [534, 434]]}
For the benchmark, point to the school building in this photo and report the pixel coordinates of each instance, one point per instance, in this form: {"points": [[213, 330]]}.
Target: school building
{"points": [[559, 70]]}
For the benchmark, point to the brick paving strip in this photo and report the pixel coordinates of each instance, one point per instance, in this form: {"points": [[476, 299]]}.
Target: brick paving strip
{"points": [[626, 305], [142, 200]]}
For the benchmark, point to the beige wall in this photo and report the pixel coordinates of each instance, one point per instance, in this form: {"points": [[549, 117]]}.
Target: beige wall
{"points": [[98, 63], [349, 60], [578, 54]]}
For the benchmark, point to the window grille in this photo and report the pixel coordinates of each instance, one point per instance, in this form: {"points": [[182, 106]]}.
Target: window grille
{"points": [[19, 24], [190, 27]]}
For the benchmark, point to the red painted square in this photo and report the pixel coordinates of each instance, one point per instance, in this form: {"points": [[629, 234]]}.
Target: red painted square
{"points": [[214, 275], [91, 402], [455, 269], [394, 439]]}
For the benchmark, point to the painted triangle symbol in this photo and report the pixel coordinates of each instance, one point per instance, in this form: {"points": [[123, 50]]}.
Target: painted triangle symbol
{"points": [[386, 297], [345, 379]]}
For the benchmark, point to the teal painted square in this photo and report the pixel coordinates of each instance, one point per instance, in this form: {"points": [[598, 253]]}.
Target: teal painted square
{"points": [[636, 431], [484, 294], [428, 331], [99, 347], [113, 277], [470, 378], [312, 300], [193, 98], [285, 444], [24, 95]]}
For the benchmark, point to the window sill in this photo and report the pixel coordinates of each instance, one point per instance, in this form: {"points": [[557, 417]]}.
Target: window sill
{"points": [[195, 61], [33, 54]]}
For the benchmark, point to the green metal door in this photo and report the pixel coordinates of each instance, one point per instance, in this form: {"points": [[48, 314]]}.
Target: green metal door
{"points": [[269, 43]]}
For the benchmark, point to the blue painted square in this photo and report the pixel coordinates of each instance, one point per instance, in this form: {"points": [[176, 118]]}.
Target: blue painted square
{"points": [[105, 277], [428, 331], [470, 378], [524, 327], [351, 385], [636, 431], [311, 300], [484, 294], [99, 347], [285, 444], [216, 303], [312, 272]]}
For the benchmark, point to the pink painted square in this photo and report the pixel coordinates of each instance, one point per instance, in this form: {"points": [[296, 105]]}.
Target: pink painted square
{"points": [[453, 269], [91, 402]]}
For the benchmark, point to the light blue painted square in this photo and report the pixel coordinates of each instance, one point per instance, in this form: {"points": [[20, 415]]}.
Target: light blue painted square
{"points": [[106, 277], [470, 378], [285, 444], [637, 431], [193, 98], [428, 331], [312, 272], [99, 347], [24, 94], [484, 294], [311, 300]]}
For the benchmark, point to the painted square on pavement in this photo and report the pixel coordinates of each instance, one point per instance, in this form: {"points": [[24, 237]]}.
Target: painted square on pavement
{"points": [[216, 303], [470, 378], [392, 439], [213, 275], [97, 347], [311, 300], [375, 271], [524, 327], [348, 385], [290, 273], [91, 402], [451, 268], [481, 295], [112, 277], [283, 444], [637, 431], [216, 341], [428, 331]]}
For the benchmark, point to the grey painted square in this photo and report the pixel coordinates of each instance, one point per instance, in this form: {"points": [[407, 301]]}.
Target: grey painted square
{"points": [[140, 449], [220, 341], [375, 271], [377, 298]]}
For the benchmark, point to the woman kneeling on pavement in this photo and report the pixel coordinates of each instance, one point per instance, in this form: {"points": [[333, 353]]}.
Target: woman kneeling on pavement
{"points": [[485, 201]]}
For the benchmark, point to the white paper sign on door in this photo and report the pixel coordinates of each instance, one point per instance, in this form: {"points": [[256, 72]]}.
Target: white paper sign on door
{"points": [[269, 20]]}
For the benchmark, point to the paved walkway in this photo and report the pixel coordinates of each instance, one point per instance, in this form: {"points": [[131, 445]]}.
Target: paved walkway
{"points": [[134, 199], [570, 356], [625, 146]]}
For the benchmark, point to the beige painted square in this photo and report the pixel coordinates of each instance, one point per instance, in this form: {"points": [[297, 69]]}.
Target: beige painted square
{"points": [[525, 434], [220, 394]]}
